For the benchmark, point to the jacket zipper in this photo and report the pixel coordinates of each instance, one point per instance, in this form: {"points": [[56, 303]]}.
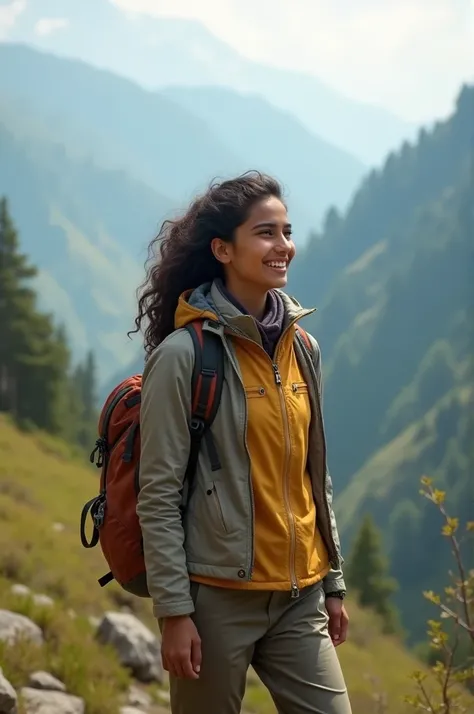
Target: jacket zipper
{"points": [[217, 501]]}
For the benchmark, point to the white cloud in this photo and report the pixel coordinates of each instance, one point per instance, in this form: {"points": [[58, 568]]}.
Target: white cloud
{"points": [[408, 55], [48, 25], [9, 14]]}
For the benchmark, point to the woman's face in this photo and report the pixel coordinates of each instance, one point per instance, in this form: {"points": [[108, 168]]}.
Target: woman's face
{"points": [[262, 248]]}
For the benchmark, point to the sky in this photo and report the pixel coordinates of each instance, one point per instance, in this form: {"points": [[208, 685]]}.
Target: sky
{"points": [[409, 56]]}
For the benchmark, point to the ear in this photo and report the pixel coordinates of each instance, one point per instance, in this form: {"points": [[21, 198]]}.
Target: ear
{"points": [[221, 250]]}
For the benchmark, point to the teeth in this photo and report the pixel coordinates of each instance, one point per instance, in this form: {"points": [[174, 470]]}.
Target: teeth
{"points": [[274, 264]]}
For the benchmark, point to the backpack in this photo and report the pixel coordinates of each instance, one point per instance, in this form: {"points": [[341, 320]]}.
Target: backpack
{"points": [[117, 453]]}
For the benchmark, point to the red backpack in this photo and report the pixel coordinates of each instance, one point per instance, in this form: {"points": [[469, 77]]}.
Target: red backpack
{"points": [[117, 453]]}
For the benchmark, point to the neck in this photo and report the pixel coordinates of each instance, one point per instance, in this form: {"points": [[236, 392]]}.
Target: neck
{"points": [[253, 300]]}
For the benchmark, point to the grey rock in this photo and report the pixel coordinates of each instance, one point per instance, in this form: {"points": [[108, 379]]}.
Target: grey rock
{"points": [[21, 590], [38, 701], [45, 680], [14, 626], [8, 697], [42, 600], [138, 698], [136, 646]]}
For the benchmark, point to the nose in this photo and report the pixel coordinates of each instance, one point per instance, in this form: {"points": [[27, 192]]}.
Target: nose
{"points": [[284, 244]]}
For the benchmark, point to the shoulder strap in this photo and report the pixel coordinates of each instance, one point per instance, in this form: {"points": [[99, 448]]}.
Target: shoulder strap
{"points": [[303, 338], [207, 382]]}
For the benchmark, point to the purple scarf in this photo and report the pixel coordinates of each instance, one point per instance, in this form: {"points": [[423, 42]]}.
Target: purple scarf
{"points": [[271, 325]]}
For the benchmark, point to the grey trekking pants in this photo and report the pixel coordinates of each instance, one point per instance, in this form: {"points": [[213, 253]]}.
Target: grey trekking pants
{"points": [[285, 640]]}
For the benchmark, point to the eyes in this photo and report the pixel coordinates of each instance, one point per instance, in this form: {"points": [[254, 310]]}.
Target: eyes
{"points": [[273, 233]]}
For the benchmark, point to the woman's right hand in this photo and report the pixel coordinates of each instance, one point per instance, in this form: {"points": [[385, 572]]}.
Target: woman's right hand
{"points": [[181, 647]]}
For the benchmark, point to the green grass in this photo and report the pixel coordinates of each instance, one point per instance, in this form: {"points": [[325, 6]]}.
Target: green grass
{"points": [[43, 482]]}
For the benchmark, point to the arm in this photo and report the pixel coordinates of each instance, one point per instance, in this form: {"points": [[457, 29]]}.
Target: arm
{"points": [[165, 445], [334, 580]]}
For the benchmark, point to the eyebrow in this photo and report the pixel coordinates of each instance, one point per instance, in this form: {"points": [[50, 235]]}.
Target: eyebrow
{"points": [[269, 224]]}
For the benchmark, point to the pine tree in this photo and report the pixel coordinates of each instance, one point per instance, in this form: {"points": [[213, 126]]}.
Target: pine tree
{"points": [[34, 356], [85, 386], [16, 303], [368, 574]]}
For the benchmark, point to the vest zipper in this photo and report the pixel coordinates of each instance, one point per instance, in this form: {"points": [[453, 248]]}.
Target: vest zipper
{"points": [[295, 592], [286, 485]]}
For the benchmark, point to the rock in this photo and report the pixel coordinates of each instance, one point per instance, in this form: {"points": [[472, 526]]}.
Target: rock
{"points": [[38, 701], [8, 697], [42, 600], [138, 698], [38, 598], [21, 590], [13, 626], [45, 680], [94, 621], [136, 646], [164, 696]]}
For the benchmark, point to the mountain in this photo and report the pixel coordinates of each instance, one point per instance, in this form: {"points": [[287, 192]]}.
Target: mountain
{"points": [[40, 548], [92, 164], [396, 326], [170, 146], [75, 223], [160, 52], [276, 142]]}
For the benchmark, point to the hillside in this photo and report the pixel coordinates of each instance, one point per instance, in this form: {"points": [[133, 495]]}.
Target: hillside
{"points": [[165, 144], [42, 489], [159, 52], [75, 222], [396, 329]]}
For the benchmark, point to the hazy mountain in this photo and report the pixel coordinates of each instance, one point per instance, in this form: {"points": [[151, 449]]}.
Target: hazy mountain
{"points": [[313, 170], [172, 146], [163, 52]]}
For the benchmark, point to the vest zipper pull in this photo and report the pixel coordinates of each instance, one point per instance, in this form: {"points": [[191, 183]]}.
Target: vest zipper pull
{"points": [[277, 373], [295, 592]]}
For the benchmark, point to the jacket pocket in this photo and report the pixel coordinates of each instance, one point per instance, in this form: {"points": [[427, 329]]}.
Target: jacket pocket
{"points": [[299, 388], [253, 392], [213, 494]]}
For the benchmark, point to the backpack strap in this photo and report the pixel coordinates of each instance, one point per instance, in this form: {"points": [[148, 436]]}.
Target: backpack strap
{"points": [[207, 383], [303, 338]]}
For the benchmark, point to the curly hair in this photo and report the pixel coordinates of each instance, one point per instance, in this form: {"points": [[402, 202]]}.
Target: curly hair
{"points": [[185, 259]]}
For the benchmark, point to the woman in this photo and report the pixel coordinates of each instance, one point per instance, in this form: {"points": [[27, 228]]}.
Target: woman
{"points": [[251, 574]]}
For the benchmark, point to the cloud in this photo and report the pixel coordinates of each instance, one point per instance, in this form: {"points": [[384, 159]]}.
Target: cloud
{"points": [[47, 25], [407, 55], [8, 16]]}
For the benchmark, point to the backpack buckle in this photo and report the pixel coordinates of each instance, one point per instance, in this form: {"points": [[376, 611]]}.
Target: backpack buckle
{"points": [[98, 515], [196, 427]]}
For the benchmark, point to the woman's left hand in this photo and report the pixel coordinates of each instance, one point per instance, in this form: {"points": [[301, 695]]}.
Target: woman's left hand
{"points": [[338, 620]]}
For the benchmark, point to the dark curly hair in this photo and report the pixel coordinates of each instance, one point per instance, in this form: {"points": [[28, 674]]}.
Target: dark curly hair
{"points": [[185, 258]]}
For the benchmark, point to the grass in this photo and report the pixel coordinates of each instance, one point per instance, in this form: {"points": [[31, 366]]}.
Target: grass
{"points": [[43, 482]]}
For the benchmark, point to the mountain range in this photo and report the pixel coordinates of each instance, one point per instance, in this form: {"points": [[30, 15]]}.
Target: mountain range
{"points": [[162, 52], [110, 161]]}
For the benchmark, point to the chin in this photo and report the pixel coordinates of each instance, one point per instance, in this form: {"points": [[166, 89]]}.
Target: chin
{"points": [[278, 283]]}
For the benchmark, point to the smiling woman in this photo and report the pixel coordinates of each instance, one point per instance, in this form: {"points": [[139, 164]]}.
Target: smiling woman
{"points": [[247, 564]]}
